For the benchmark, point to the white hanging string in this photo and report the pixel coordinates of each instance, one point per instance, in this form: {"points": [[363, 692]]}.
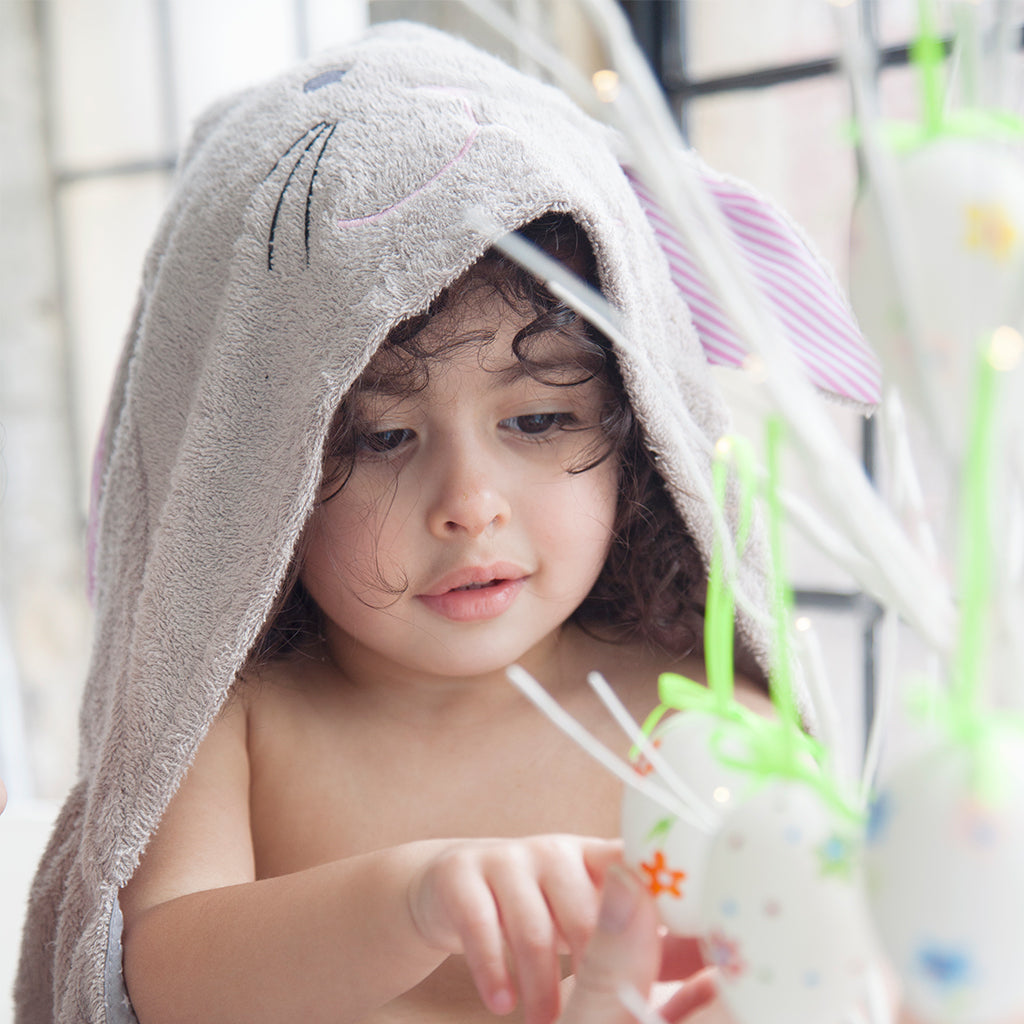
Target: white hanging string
{"points": [[906, 492], [826, 714], [882, 175], [668, 775], [885, 702], [634, 1003], [544, 702]]}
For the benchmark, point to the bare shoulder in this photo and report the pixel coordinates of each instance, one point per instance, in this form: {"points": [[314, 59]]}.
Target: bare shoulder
{"points": [[294, 684], [287, 702]]}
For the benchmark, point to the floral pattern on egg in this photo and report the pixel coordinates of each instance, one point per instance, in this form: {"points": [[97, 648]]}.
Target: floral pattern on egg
{"points": [[783, 898], [946, 885], [669, 854]]}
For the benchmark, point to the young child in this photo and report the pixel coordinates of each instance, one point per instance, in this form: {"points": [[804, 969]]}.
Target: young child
{"points": [[355, 465], [474, 485]]}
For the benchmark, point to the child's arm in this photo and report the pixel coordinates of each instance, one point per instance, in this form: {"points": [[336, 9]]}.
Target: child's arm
{"points": [[205, 941]]}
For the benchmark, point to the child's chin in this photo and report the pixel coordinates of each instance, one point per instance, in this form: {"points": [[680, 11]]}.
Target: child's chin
{"points": [[470, 660]]}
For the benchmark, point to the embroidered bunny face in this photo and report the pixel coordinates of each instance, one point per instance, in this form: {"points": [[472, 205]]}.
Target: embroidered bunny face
{"points": [[362, 184]]}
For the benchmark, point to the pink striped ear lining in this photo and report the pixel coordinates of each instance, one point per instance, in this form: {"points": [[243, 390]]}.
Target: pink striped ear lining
{"points": [[821, 328]]}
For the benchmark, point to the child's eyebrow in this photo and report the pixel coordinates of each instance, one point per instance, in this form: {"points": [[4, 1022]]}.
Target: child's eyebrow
{"points": [[548, 375], [505, 375]]}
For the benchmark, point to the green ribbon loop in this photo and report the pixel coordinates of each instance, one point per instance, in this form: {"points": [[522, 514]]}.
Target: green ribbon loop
{"points": [[746, 741], [1001, 126], [975, 549], [963, 713], [928, 55], [771, 748], [720, 610]]}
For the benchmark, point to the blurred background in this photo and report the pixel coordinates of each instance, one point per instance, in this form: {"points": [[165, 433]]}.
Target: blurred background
{"points": [[97, 96]]}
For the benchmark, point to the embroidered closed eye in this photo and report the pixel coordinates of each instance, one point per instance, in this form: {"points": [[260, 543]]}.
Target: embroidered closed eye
{"points": [[325, 78]]}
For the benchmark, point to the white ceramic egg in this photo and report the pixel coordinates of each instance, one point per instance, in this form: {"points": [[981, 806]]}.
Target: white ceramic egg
{"points": [[961, 203], [783, 912], [945, 876], [667, 853]]}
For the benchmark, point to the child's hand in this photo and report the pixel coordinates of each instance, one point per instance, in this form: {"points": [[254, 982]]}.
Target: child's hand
{"points": [[534, 898], [627, 950]]}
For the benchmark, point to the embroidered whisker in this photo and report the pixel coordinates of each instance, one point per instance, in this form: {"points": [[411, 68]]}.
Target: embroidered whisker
{"points": [[297, 142], [312, 180], [318, 131]]}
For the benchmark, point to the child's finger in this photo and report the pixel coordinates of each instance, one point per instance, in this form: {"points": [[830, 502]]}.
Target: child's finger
{"points": [[572, 895], [599, 855], [478, 924], [533, 944], [623, 951]]}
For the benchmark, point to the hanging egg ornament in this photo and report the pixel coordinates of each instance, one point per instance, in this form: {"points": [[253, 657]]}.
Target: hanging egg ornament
{"points": [[960, 221], [783, 912], [945, 878], [667, 853]]}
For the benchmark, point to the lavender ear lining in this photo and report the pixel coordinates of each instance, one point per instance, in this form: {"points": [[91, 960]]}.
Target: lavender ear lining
{"points": [[794, 283]]}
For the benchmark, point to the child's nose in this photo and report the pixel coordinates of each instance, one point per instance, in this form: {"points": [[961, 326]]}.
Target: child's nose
{"points": [[468, 499]]}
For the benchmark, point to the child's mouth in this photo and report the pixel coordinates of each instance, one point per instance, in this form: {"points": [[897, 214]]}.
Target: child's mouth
{"points": [[476, 600], [476, 586]]}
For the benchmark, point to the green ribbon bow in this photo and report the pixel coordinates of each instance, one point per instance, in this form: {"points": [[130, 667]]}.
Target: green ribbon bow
{"points": [[771, 748]]}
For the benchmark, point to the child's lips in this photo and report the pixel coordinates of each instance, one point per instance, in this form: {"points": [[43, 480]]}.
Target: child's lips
{"points": [[476, 593]]}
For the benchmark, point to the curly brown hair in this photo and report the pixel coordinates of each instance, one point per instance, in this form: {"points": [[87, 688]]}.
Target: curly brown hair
{"points": [[652, 585]]}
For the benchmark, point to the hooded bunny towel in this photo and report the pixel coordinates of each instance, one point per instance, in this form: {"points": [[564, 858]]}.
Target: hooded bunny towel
{"points": [[311, 215]]}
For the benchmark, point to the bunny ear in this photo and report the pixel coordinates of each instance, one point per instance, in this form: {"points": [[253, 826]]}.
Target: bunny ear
{"points": [[794, 283]]}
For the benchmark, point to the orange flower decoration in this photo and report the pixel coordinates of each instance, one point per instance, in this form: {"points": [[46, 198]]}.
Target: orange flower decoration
{"points": [[641, 765], [661, 878]]}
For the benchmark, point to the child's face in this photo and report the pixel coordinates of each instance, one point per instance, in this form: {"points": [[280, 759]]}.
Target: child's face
{"points": [[460, 540]]}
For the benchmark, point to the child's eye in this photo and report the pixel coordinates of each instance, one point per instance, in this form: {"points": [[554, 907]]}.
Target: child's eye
{"points": [[537, 423], [384, 441]]}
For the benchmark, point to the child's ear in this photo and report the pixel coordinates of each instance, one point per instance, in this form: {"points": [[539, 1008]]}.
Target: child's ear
{"points": [[794, 281]]}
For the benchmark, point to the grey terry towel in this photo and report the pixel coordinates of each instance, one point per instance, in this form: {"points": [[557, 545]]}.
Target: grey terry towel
{"points": [[310, 216]]}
